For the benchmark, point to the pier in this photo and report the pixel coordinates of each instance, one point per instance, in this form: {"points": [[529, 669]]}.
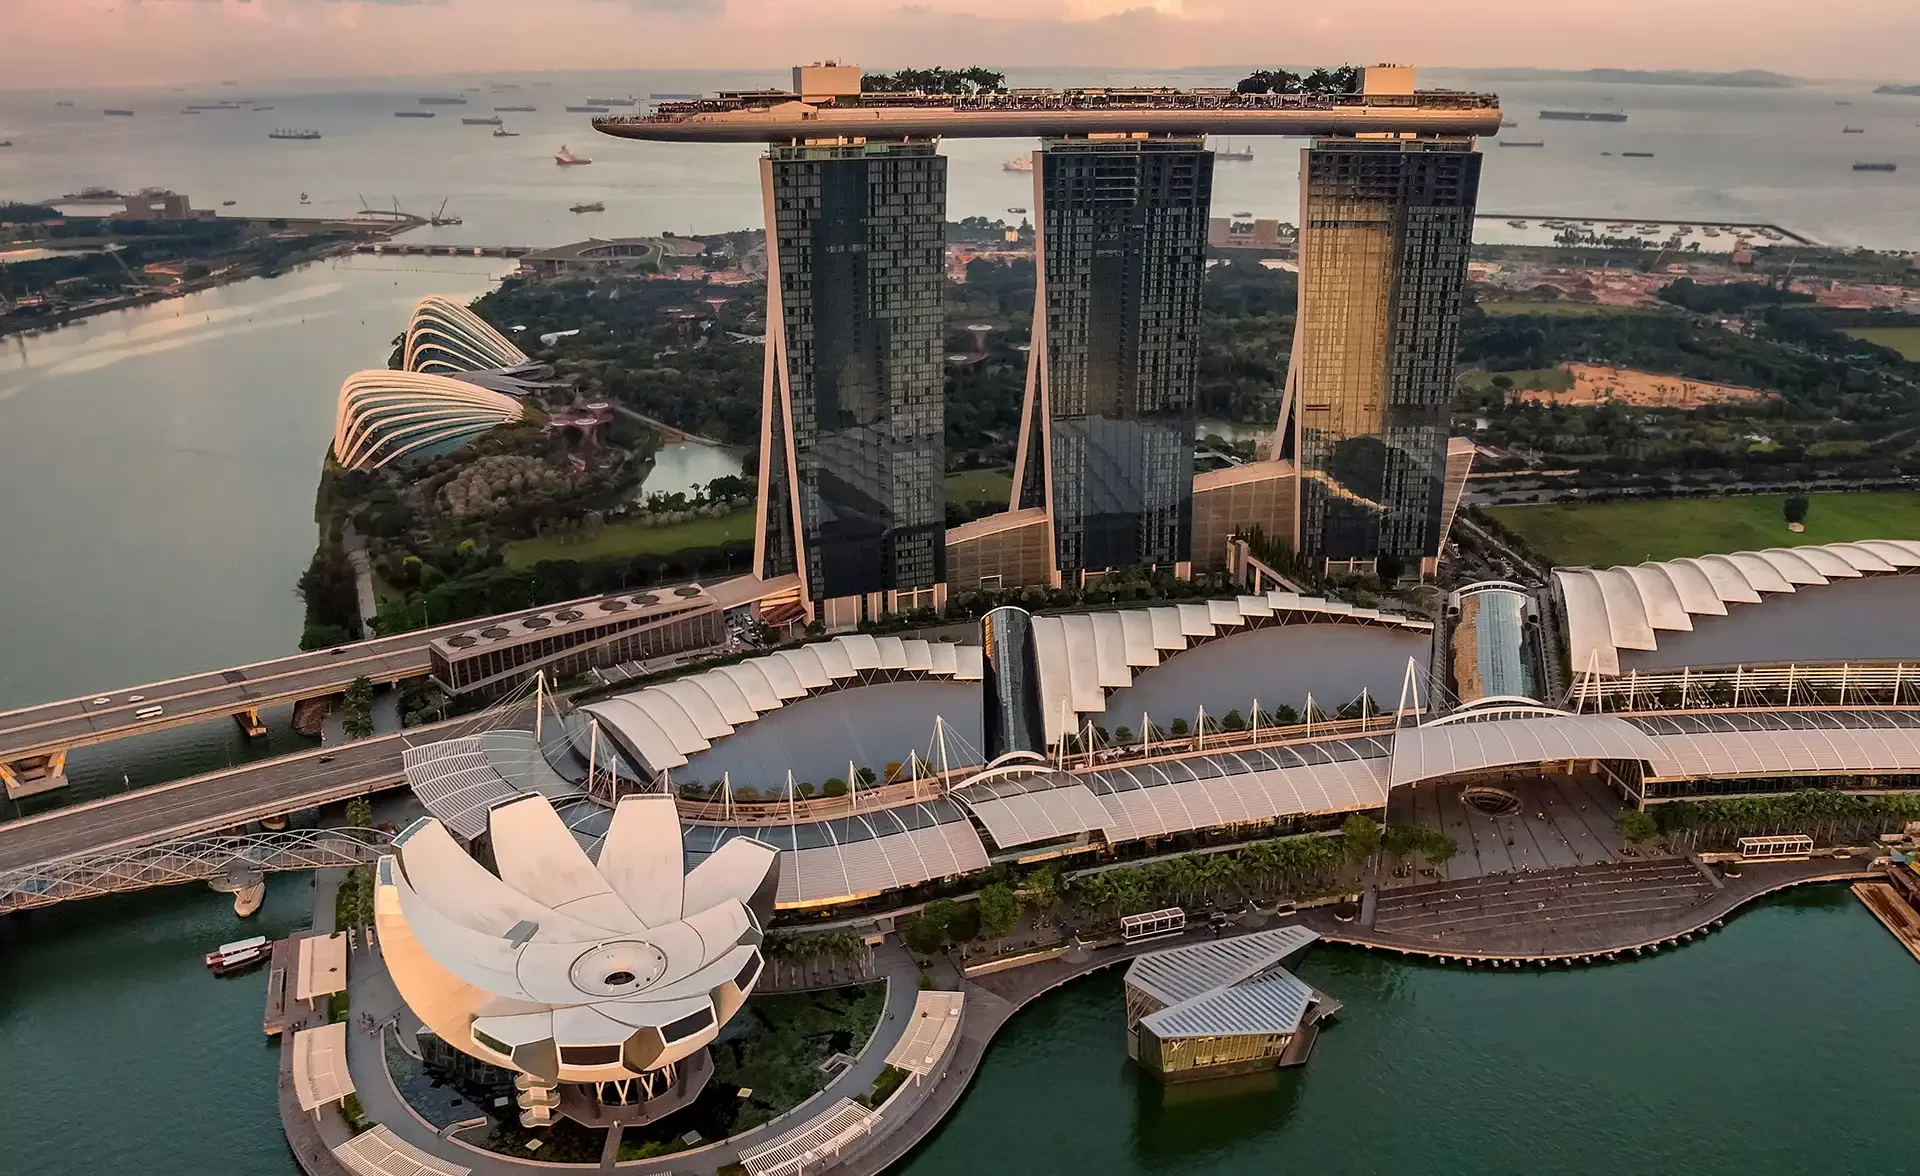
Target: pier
{"points": [[1887, 905]]}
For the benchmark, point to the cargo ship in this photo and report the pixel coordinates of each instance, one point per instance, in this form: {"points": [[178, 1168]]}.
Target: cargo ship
{"points": [[1636, 154], [293, 134], [1881, 166], [1853, 130], [504, 133], [443, 102], [566, 158], [1516, 143], [595, 206], [413, 114], [586, 110], [481, 122], [515, 109], [629, 100], [1606, 116], [119, 113]]}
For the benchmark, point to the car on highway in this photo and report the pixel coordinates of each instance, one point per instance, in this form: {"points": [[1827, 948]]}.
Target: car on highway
{"points": [[136, 697], [326, 759], [148, 712], [101, 701], [335, 652]]}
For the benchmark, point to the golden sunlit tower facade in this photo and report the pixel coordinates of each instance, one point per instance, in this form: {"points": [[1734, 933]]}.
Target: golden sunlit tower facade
{"points": [[1106, 434], [1385, 228]]}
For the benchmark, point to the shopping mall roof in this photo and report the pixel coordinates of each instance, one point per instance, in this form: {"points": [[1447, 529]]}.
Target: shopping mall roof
{"points": [[665, 725], [1448, 749], [1023, 810], [1262, 784], [1084, 656], [1759, 744], [1611, 609], [867, 853]]}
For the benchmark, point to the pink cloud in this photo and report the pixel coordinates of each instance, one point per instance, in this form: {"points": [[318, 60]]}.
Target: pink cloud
{"points": [[53, 43]]}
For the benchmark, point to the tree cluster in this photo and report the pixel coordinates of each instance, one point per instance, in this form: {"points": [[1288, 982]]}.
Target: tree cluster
{"points": [[935, 80], [1343, 79]]}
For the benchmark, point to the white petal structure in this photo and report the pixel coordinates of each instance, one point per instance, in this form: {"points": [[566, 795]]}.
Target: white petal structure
{"points": [[383, 416], [445, 337], [564, 967]]}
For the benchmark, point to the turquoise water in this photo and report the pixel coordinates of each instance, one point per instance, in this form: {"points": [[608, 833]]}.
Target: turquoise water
{"points": [[1783, 1044], [124, 1054]]}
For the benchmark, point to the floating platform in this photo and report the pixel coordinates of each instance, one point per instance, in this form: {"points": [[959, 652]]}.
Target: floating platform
{"points": [[1893, 912]]}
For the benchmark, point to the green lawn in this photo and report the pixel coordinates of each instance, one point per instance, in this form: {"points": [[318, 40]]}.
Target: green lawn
{"points": [[1559, 308], [1905, 340], [1608, 533], [633, 539], [979, 486]]}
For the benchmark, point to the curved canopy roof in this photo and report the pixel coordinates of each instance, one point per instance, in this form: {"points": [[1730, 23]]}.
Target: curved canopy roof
{"points": [[568, 967], [383, 416], [446, 337], [1446, 749], [665, 725], [1084, 657], [1611, 609], [1760, 744]]}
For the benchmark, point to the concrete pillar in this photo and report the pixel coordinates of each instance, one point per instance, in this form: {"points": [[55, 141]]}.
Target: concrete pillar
{"points": [[34, 774]]}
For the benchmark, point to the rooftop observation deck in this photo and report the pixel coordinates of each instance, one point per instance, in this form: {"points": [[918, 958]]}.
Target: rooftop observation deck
{"points": [[779, 116]]}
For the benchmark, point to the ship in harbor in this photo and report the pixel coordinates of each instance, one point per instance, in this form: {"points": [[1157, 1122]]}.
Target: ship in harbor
{"points": [[1876, 166], [586, 110], [629, 100], [566, 158], [1843, 130], [1636, 155], [1605, 116], [1517, 143], [515, 109], [117, 112], [288, 134], [504, 133], [437, 101], [593, 206], [413, 114], [481, 122]]}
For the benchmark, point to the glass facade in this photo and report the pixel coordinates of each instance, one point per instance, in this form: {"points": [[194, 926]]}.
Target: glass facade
{"points": [[1493, 649], [1010, 685], [858, 238], [1110, 422], [1385, 230]]}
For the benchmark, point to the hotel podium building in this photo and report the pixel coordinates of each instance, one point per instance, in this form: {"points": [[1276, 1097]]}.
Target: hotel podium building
{"points": [[853, 449], [1385, 227], [1106, 438], [851, 512]]}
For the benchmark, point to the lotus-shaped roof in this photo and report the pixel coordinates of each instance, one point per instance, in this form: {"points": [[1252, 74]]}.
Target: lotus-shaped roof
{"points": [[568, 968]]}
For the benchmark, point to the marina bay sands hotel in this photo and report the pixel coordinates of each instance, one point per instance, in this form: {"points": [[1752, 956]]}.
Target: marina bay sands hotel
{"points": [[852, 456]]}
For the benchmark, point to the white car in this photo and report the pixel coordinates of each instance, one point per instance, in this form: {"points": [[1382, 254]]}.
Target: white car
{"points": [[101, 701], [136, 697]]}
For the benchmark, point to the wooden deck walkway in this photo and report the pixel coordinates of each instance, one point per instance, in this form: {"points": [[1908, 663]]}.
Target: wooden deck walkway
{"points": [[1893, 912]]}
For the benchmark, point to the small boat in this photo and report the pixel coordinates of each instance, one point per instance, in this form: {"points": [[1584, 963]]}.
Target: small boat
{"points": [[515, 109], [64, 102], [228, 203], [566, 158], [258, 109], [504, 133], [1017, 211], [586, 110], [119, 113], [1636, 154], [303, 199], [237, 956], [1517, 143], [1853, 130], [1842, 102], [6, 142], [1877, 166], [481, 122], [413, 114], [595, 206], [290, 134], [1516, 224], [1508, 125], [1243, 215]]}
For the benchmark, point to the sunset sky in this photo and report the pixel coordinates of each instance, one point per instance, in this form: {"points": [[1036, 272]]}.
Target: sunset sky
{"points": [[65, 43]]}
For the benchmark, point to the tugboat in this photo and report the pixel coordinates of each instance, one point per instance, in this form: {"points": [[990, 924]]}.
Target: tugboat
{"points": [[242, 954], [504, 133], [566, 158], [596, 206]]}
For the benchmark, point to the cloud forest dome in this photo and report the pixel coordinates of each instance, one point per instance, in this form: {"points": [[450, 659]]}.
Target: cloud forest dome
{"points": [[570, 968], [447, 338], [383, 416]]}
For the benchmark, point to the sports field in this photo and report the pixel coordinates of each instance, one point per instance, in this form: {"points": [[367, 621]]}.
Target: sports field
{"points": [[1608, 533], [633, 539], [1905, 340], [979, 486]]}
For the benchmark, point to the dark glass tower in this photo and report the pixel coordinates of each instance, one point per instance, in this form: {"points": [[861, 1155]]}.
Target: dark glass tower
{"points": [[853, 434], [1107, 432], [1385, 230]]}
